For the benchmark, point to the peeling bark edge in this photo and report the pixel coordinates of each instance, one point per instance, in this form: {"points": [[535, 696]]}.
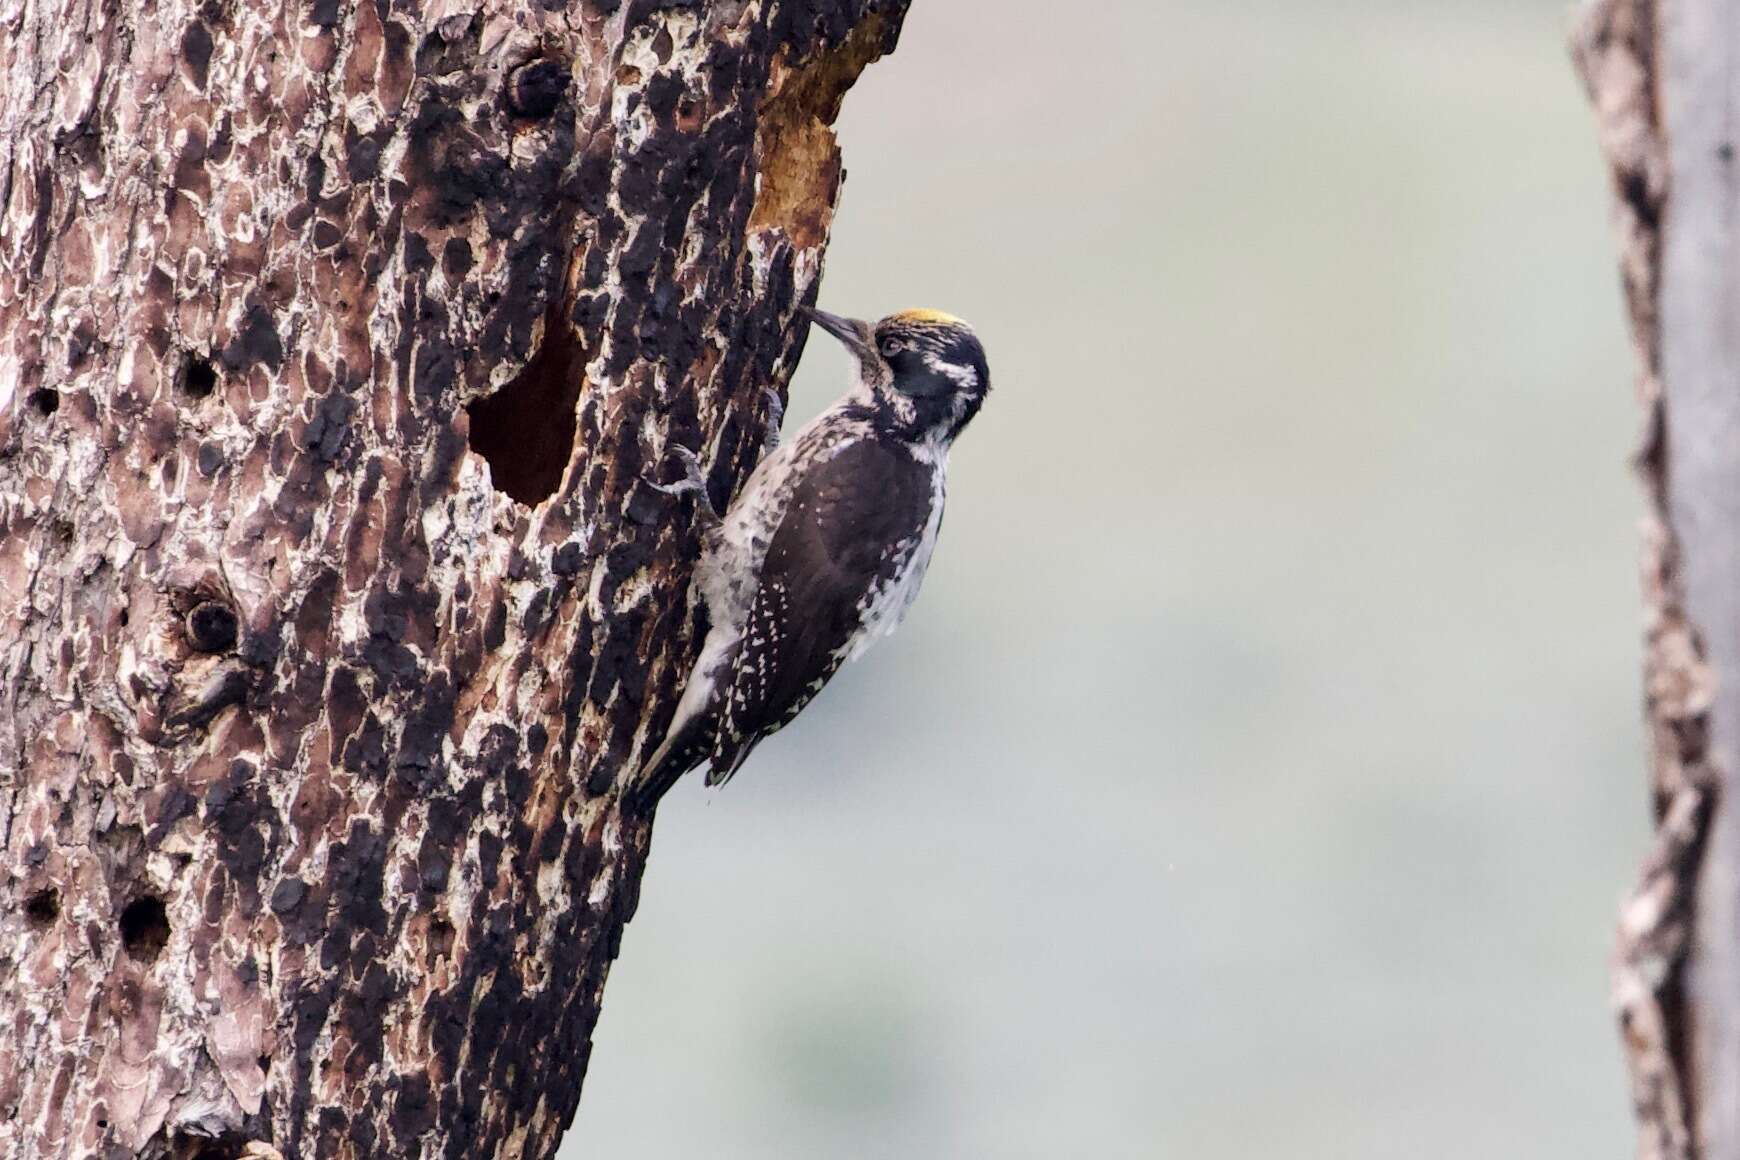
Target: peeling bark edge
{"points": [[1616, 47]]}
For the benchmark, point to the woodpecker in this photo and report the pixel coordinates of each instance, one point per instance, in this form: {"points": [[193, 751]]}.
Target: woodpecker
{"points": [[825, 548]]}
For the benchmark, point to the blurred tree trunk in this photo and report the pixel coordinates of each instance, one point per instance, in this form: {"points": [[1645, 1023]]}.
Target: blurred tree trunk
{"points": [[336, 339], [1664, 76]]}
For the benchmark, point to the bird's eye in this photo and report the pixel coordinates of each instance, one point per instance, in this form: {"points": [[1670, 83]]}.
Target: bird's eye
{"points": [[890, 348]]}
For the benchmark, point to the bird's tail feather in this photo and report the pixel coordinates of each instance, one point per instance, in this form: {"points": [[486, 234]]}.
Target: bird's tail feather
{"points": [[725, 766], [681, 751]]}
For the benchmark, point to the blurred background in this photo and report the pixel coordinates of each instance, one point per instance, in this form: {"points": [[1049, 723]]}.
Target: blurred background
{"points": [[1261, 770]]}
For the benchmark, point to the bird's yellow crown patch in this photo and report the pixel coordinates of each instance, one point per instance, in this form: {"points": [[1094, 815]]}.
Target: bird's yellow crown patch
{"points": [[932, 317]]}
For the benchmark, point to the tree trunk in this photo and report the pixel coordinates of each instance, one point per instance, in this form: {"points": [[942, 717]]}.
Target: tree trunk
{"points": [[1666, 86], [337, 340]]}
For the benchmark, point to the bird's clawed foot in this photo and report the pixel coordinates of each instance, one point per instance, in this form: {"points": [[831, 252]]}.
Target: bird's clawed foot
{"points": [[693, 481]]}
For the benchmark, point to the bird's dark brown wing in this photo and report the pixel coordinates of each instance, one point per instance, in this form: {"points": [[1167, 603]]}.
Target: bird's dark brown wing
{"points": [[852, 523]]}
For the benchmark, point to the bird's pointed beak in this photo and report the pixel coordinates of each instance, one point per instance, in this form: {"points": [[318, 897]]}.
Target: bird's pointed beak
{"points": [[858, 336]]}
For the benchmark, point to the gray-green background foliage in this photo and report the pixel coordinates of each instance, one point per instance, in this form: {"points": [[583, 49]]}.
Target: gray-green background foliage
{"points": [[1261, 769]]}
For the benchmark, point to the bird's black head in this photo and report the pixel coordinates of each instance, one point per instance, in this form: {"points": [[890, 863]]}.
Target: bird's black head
{"points": [[927, 368]]}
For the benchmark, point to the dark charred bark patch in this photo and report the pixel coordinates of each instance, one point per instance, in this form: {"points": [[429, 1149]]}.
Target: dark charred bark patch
{"points": [[256, 341], [196, 53]]}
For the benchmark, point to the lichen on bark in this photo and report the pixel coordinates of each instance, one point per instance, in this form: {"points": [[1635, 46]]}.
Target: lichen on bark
{"points": [[338, 339]]}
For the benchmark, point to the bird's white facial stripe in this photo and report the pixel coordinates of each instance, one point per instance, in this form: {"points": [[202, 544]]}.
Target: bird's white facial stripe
{"points": [[964, 377]]}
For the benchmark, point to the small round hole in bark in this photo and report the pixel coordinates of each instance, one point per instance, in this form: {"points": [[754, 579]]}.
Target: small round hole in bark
{"points": [[189, 1146], [535, 89], [441, 938], [46, 401], [145, 928], [43, 907], [125, 618], [212, 627], [198, 377]]}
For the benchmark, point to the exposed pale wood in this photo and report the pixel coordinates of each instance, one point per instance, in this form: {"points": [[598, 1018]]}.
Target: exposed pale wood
{"points": [[337, 338]]}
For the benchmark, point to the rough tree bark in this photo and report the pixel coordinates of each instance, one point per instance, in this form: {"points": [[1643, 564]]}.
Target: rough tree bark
{"points": [[336, 340], [1664, 76]]}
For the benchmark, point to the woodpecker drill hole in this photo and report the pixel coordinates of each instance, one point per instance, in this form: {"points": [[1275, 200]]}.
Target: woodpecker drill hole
{"points": [[228, 1146], [46, 401], [525, 430], [144, 928], [212, 627], [43, 907], [535, 89], [441, 938], [198, 377]]}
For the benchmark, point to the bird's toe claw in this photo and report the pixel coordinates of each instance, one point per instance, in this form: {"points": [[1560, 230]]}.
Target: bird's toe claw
{"points": [[693, 478], [775, 417], [693, 481]]}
